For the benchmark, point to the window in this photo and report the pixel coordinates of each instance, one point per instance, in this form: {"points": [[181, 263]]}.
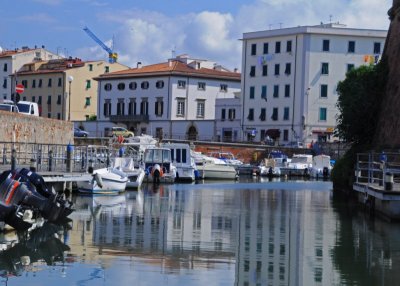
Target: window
{"points": [[49, 115], [377, 48], [132, 106], [265, 48], [132, 85], [264, 92], [5, 67], [351, 48], [59, 81], [231, 113], [49, 99], [107, 108], [277, 47], [325, 45], [33, 98], [322, 114], [40, 83], [106, 69], [144, 107], [276, 91], [90, 67], [33, 83], [59, 99], [252, 89], [288, 69], [287, 90], [87, 101], [159, 107], [58, 116], [253, 49], [39, 100], [253, 71], [274, 114], [263, 114], [160, 84], [350, 67], [289, 46], [325, 68], [120, 106], [223, 88], [277, 67], [144, 85], [265, 70], [88, 84], [49, 83], [286, 113], [201, 86], [285, 135], [250, 117], [181, 84], [5, 83], [223, 111], [324, 90], [108, 86], [24, 83], [121, 86], [180, 111], [200, 108]]}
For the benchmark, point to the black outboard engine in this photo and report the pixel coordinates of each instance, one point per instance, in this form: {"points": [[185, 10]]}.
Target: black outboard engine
{"points": [[37, 185], [13, 216], [325, 172]]}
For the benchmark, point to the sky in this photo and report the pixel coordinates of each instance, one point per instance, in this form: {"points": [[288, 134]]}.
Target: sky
{"points": [[148, 31]]}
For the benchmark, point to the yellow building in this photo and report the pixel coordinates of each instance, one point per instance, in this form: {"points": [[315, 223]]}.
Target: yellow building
{"points": [[64, 89]]}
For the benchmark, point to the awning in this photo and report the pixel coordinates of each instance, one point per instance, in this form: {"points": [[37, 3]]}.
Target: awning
{"points": [[273, 133]]}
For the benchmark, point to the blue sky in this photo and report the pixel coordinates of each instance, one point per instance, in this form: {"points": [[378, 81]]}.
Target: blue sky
{"points": [[148, 30]]}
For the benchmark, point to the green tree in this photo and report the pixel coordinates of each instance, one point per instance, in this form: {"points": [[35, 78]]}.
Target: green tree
{"points": [[360, 96]]}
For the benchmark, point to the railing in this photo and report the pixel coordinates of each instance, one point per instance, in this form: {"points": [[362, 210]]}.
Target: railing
{"points": [[130, 118], [377, 168]]}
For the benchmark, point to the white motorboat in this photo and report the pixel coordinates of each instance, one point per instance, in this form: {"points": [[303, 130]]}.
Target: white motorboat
{"points": [[227, 157], [271, 166], [183, 161], [158, 165], [135, 174], [213, 168], [104, 181], [299, 165], [321, 167]]}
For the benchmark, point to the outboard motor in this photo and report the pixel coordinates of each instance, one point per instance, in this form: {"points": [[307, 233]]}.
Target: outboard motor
{"points": [[14, 216], [325, 172]]}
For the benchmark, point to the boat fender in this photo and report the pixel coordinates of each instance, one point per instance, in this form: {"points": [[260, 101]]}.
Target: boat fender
{"points": [[98, 180]]}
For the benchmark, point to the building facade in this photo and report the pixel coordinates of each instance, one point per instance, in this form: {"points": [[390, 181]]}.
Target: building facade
{"points": [[64, 88], [290, 76], [12, 60], [228, 119], [175, 99]]}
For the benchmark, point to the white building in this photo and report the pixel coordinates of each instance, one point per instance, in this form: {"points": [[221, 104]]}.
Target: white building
{"points": [[228, 118], [290, 76], [12, 60], [174, 99]]}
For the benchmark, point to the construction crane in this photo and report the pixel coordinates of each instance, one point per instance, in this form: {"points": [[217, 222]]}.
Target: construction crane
{"points": [[112, 57]]}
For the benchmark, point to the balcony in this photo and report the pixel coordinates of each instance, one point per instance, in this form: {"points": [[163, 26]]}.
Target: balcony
{"points": [[130, 118]]}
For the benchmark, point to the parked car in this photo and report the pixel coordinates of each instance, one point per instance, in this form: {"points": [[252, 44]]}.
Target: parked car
{"points": [[294, 144], [121, 131], [29, 108], [80, 133], [8, 107]]}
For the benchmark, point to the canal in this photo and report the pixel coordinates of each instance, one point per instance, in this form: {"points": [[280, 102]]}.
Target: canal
{"points": [[219, 233]]}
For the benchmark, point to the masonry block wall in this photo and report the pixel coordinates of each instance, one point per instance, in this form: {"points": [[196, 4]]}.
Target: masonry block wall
{"points": [[22, 128]]}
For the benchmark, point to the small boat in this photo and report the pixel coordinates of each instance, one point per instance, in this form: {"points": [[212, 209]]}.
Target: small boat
{"points": [[227, 157], [321, 167], [299, 165], [271, 166], [104, 181], [135, 174], [214, 168], [158, 165]]}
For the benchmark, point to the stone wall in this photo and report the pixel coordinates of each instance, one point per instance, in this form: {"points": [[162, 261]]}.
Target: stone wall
{"points": [[22, 128]]}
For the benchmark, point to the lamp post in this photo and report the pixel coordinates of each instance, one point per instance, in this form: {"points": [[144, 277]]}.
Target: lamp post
{"points": [[70, 79]]}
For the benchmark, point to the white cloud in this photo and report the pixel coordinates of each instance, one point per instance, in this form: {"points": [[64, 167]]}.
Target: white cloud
{"points": [[149, 37]]}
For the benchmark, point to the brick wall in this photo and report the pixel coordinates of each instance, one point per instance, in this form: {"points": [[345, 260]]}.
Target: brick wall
{"points": [[32, 129]]}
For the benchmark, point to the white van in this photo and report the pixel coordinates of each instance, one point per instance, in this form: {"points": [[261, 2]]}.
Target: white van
{"points": [[29, 108], [8, 107]]}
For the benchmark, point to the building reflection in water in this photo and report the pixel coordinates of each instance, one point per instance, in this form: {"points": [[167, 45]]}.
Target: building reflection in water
{"points": [[289, 236]]}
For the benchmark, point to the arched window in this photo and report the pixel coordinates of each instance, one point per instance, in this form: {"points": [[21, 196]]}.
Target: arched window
{"points": [[121, 86], [108, 86]]}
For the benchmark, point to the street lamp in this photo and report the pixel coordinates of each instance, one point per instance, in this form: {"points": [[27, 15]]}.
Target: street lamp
{"points": [[70, 79]]}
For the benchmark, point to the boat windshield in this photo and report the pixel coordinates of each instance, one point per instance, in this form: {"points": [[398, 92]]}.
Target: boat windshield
{"points": [[157, 156], [299, 160]]}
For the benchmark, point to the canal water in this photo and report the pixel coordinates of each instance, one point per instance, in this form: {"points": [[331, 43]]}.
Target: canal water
{"points": [[218, 233]]}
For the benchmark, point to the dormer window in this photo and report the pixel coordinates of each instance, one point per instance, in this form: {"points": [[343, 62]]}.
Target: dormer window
{"points": [[201, 86]]}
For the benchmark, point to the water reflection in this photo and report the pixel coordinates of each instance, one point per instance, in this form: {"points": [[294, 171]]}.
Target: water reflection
{"points": [[260, 233]]}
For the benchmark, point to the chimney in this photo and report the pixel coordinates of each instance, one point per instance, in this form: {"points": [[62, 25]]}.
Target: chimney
{"points": [[235, 70], [139, 65]]}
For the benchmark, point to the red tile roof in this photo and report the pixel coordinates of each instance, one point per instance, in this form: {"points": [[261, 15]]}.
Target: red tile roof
{"points": [[171, 68], [9, 53]]}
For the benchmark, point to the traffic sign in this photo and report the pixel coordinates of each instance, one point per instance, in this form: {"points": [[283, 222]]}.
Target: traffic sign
{"points": [[19, 88]]}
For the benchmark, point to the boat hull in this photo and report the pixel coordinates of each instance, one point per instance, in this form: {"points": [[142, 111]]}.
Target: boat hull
{"points": [[111, 182]]}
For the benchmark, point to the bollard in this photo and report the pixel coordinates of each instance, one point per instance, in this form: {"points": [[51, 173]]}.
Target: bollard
{"points": [[121, 152], [32, 166], [50, 160], [13, 160], [388, 181], [70, 152], [4, 155]]}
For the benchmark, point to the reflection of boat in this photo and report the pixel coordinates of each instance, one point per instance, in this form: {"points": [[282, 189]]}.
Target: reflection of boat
{"points": [[158, 165], [182, 160], [213, 168], [321, 166], [104, 181], [135, 175]]}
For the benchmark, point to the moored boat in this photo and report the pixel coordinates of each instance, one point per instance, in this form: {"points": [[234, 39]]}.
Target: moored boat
{"points": [[104, 181], [158, 165]]}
